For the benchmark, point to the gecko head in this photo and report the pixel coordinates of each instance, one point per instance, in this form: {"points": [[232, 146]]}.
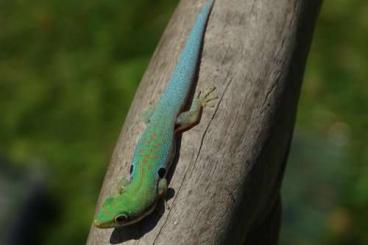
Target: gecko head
{"points": [[120, 211], [114, 212]]}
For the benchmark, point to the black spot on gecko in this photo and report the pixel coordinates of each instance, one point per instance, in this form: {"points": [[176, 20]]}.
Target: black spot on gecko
{"points": [[131, 169], [161, 172]]}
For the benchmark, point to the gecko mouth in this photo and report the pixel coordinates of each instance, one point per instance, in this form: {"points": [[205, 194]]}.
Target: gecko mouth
{"points": [[134, 220], [103, 225]]}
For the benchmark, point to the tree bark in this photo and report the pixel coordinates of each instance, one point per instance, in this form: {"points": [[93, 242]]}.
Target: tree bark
{"points": [[226, 184]]}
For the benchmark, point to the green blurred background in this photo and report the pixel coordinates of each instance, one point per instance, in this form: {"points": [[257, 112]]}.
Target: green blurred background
{"points": [[68, 72]]}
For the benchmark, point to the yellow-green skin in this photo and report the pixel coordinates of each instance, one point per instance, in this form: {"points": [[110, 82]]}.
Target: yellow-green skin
{"points": [[153, 153]]}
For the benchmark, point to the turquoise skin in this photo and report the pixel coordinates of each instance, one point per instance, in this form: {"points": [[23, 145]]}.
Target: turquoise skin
{"points": [[153, 153]]}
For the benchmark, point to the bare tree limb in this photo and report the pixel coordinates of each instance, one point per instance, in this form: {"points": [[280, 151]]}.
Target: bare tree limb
{"points": [[229, 171]]}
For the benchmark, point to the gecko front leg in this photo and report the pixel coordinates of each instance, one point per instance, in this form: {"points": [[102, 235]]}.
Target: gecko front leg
{"points": [[122, 184], [162, 187], [188, 119]]}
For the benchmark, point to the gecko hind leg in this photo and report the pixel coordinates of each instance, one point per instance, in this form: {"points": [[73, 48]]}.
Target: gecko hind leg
{"points": [[188, 119]]}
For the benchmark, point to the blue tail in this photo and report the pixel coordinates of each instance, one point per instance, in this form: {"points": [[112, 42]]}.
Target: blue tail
{"points": [[182, 77]]}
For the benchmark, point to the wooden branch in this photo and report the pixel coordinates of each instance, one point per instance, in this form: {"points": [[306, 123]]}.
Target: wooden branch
{"points": [[229, 171]]}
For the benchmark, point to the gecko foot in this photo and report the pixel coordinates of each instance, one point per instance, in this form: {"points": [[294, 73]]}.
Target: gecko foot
{"points": [[207, 97]]}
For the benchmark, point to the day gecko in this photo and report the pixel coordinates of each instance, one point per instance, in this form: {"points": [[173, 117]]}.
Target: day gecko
{"points": [[153, 153]]}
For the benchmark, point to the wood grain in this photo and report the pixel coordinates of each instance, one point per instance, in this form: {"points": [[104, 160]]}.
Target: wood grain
{"points": [[229, 171]]}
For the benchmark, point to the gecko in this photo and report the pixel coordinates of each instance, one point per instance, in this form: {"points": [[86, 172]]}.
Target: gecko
{"points": [[138, 196]]}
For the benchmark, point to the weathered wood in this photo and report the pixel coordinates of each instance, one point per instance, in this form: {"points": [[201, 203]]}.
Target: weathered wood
{"points": [[230, 167]]}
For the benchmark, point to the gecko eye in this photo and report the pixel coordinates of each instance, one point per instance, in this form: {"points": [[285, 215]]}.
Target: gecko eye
{"points": [[161, 172], [121, 219], [131, 169]]}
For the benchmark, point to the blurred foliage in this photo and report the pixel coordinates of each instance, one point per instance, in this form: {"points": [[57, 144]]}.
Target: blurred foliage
{"points": [[69, 69], [326, 183]]}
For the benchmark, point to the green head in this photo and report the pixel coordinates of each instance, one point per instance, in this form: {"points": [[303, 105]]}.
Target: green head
{"points": [[123, 209], [119, 211]]}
